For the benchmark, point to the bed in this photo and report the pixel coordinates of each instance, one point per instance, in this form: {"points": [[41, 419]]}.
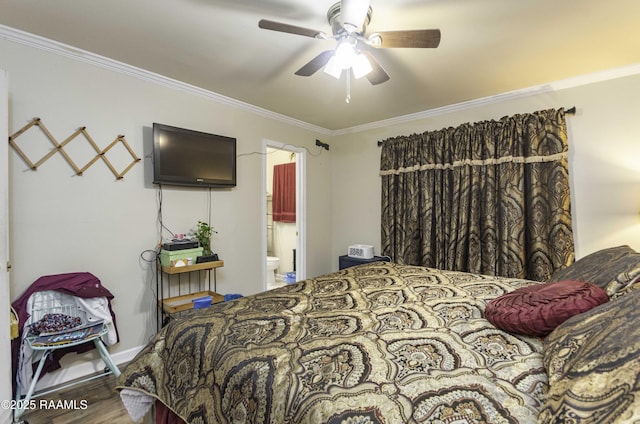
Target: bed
{"points": [[389, 343]]}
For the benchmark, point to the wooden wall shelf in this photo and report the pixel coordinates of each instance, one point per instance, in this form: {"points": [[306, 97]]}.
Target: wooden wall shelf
{"points": [[176, 304], [190, 268], [170, 305]]}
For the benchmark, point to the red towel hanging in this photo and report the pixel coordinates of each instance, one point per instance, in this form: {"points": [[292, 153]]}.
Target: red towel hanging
{"points": [[284, 192]]}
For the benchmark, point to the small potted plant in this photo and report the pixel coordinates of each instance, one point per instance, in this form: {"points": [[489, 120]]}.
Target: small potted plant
{"points": [[203, 234]]}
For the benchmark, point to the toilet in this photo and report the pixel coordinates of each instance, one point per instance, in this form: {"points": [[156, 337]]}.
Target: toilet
{"points": [[272, 265]]}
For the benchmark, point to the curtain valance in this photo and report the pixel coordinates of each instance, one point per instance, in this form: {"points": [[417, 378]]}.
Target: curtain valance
{"points": [[477, 162]]}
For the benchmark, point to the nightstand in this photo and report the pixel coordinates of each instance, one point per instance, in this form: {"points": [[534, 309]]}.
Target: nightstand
{"points": [[346, 261]]}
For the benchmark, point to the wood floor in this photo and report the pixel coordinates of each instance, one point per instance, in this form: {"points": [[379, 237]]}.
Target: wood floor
{"points": [[103, 405]]}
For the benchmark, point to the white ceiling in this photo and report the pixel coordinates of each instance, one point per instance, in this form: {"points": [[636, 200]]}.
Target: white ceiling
{"points": [[488, 47]]}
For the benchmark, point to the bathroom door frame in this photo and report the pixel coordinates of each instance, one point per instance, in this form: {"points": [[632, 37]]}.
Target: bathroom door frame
{"points": [[301, 207]]}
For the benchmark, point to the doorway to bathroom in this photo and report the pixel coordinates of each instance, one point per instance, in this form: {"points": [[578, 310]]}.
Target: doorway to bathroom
{"points": [[284, 214]]}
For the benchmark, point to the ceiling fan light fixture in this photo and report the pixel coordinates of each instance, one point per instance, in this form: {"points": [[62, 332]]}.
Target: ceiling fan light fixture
{"points": [[345, 54], [361, 66], [333, 68]]}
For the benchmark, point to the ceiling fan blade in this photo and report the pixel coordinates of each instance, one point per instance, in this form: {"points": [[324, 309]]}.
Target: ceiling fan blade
{"points": [[377, 75], [352, 13], [419, 38], [290, 29], [315, 64]]}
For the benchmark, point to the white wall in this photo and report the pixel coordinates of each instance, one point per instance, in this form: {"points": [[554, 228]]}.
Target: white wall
{"points": [[62, 223], [604, 157]]}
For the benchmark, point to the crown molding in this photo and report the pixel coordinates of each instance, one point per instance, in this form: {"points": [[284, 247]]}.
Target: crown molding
{"points": [[38, 42], [577, 81], [32, 40]]}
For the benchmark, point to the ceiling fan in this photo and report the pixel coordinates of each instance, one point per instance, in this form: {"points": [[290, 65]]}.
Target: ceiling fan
{"points": [[349, 20]]}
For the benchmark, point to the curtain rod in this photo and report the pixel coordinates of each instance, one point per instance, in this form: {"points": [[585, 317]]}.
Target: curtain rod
{"points": [[569, 111]]}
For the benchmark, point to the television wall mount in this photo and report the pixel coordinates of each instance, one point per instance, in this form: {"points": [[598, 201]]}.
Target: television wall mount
{"points": [[59, 148]]}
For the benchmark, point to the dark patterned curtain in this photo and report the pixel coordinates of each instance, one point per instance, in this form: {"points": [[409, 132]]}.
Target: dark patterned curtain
{"points": [[490, 197]]}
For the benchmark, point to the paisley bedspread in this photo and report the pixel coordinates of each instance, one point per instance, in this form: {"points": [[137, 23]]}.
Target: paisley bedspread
{"points": [[376, 343]]}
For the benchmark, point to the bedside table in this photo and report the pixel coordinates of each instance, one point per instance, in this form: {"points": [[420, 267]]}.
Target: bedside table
{"points": [[346, 261]]}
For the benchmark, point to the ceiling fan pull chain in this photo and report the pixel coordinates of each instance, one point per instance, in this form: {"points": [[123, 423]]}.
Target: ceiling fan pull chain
{"points": [[348, 99]]}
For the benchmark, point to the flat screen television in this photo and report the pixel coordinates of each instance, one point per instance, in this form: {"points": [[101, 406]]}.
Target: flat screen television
{"points": [[183, 157]]}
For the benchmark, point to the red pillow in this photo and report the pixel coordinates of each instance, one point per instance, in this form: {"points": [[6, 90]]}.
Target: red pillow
{"points": [[538, 309]]}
